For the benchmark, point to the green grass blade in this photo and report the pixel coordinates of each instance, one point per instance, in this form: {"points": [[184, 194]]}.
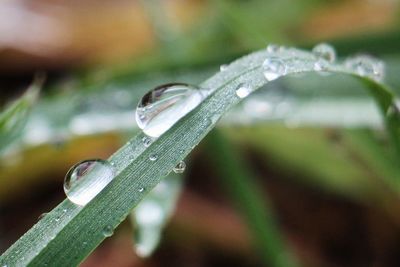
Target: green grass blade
{"points": [[243, 189], [69, 233]]}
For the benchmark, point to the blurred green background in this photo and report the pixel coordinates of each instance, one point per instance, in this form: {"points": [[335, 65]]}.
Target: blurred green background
{"points": [[331, 186]]}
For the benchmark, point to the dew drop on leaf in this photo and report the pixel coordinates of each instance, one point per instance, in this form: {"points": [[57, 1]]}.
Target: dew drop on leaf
{"points": [[41, 216], [141, 190], [273, 48], [180, 167], [324, 51], [321, 65], [108, 231], [162, 107], [223, 67], [153, 157], [243, 90], [366, 66], [273, 68], [86, 179], [146, 141]]}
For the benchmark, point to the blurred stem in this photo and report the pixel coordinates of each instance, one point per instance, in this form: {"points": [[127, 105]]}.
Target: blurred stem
{"points": [[244, 190]]}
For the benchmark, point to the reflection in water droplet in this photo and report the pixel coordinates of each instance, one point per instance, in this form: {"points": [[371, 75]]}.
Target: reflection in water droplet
{"points": [[273, 68], [223, 67], [243, 90], [162, 107], [180, 168], [153, 157], [86, 179], [325, 51], [108, 231], [141, 189]]}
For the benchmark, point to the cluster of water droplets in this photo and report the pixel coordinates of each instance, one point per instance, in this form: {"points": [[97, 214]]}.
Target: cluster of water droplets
{"points": [[162, 107]]}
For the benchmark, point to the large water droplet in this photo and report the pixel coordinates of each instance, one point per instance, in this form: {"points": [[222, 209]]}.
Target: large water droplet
{"points": [[108, 231], [273, 68], [243, 90], [325, 51], [86, 179], [180, 168], [162, 107]]}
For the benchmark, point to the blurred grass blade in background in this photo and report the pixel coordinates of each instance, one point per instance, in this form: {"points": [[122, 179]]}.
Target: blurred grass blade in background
{"points": [[153, 213], [15, 116], [248, 197]]}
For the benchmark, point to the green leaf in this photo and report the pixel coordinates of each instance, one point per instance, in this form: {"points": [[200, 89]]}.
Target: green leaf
{"points": [[69, 233]]}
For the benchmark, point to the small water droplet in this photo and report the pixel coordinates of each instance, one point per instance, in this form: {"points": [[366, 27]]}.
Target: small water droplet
{"points": [[325, 51], [108, 231], [366, 66], [57, 219], [146, 141], [86, 179], [162, 107], [321, 65], [153, 157], [65, 210], [180, 168], [273, 68], [243, 90], [141, 190], [223, 67], [41, 216], [273, 48]]}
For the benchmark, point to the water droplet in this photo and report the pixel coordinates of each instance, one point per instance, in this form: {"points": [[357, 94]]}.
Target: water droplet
{"points": [[273, 68], [141, 190], [146, 141], [321, 65], [180, 168], [273, 48], [108, 231], [162, 107], [243, 90], [325, 51], [366, 66], [41, 216], [223, 67], [86, 179], [153, 157], [392, 110]]}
